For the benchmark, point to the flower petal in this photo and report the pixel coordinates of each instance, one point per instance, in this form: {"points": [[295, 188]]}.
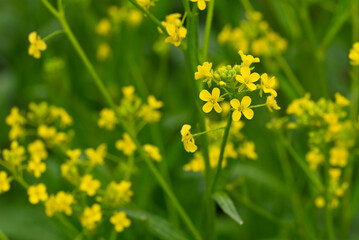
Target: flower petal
{"points": [[235, 103], [217, 108], [185, 129], [201, 4], [32, 37], [246, 101], [204, 95], [254, 77], [236, 115], [251, 86], [248, 113], [215, 93], [207, 107]]}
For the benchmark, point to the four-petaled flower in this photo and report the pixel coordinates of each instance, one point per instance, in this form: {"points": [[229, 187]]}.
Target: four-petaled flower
{"points": [[247, 60], [242, 107], [272, 103], [212, 100], [120, 220], [247, 78], [176, 34], [205, 71], [37, 193], [36, 45], [201, 3], [187, 139], [267, 84]]}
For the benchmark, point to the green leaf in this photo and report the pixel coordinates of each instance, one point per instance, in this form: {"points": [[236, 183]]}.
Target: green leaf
{"points": [[226, 204], [160, 226]]}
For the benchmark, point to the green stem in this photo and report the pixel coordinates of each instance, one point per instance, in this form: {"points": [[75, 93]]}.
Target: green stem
{"points": [[205, 132], [52, 35], [99, 83], [328, 216], [258, 106], [221, 155], [247, 5], [207, 34], [3, 236]]}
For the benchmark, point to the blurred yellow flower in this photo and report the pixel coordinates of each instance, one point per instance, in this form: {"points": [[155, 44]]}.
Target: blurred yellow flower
{"points": [[120, 220], [205, 71], [187, 139], [212, 100], [36, 166], [242, 108], [73, 154], [36, 45], [37, 193], [319, 202], [89, 185], [15, 155], [272, 103], [4, 182], [46, 132], [97, 156], [15, 118], [108, 119], [103, 27], [103, 52], [354, 54], [314, 157], [37, 149], [247, 78], [341, 100], [247, 60], [91, 216], [126, 145], [153, 152]]}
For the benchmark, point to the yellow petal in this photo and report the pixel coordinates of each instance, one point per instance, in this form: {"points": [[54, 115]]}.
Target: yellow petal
{"points": [[207, 107], [264, 77], [171, 29], [245, 71], [236, 115], [235, 103], [41, 45], [246, 101], [190, 147], [204, 95], [251, 86], [217, 108], [248, 113], [32, 37], [201, 4], [185, 129], [215, 93], [240, 79], [254, 77]]}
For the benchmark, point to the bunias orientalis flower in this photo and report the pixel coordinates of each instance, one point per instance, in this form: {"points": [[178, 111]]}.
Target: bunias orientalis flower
{"points": [[97, 156], [242, 108], [37, 149], [120, 220], [15, 118], [247, 60], [126, 145], [146, 4], [247, 78], [60, 203], [36, 167], [354, 54], [36, 45], [187, 139], [272, 103], [15, 155], [103, 28], [37, 193], [314, 157], [267, 84], [205, 71], [4, 182], [176, 34], [247, 149], [91, 216], [341, 100], [211, 99], [118, 193], [201, 3], [89, 185], [153, 152]]}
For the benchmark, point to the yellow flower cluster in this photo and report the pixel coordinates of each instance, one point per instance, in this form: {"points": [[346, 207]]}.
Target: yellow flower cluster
{"points": [[175, 30], [253, 35], [354, 54], [61, 202], [201, 4], [36, 45], [38, 153], [331, 136]]}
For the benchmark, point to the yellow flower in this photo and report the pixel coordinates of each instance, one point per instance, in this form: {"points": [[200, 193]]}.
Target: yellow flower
{"points": [[89, 185], [103, 27], [153, 152], [242, 107], [146, 4], [107, 119], [272, 103], [97, 156], [187, 139], [60, 203], [354, 54], [248, 150], [134, 17], [174, 18], [119, 193], [205, 71], [16, 132], [15, 118], [314, 157], [36, 167], [73, 154], [128, 92], [338, 156], [268, 84], [36, 45], [176, 34], [341, 100], [153, 102], [201, 3], [211, 99], [37, 193], [247, 78], [120, 221], [4, 182], [15, 155], [37, 149], [91, 216], [46, 132], [60, 113], [149, 112], [196, 164], [319, 202], [126, 145], [334, 174], [103, 51], [247, 60]]}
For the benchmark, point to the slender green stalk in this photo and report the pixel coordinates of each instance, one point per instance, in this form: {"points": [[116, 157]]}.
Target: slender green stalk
{"points": [[258, 106], [99, 83], [205, 132], [3, 236], [328, 216], [221, 155], [247, 5], [52, 35], [207, 34]]}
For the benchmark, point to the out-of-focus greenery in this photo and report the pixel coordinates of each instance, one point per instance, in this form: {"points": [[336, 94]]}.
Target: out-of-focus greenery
{"points": [[61, 79]]}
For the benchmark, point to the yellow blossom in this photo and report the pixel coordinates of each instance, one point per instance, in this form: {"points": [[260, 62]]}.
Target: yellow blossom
{"points": [[119, 193], [267, 84], [126, 145], [37, 193], [103, 52], [247, 149], [354, 54], [247, 78], [314, 157], [46, 132], [134, 17], [36, 45], [334, 174], [341, 100], [153, 152], [247, 60], [176, 34], [15, 118], [97, 156], [15, 155], [37, 149], [73, 154], [120, 220], [146, 4], [60, 113], [242, 108], [272, 103], [319, 202], [128, 92], [201, 3], [211, 99], [60, 203], [107, 119], [205, 71], [36, 166], [338, 156], [4, 182], [187, 139], [16, 132], [196, 164], [91, 216], [89, 185], [103, 27]]}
